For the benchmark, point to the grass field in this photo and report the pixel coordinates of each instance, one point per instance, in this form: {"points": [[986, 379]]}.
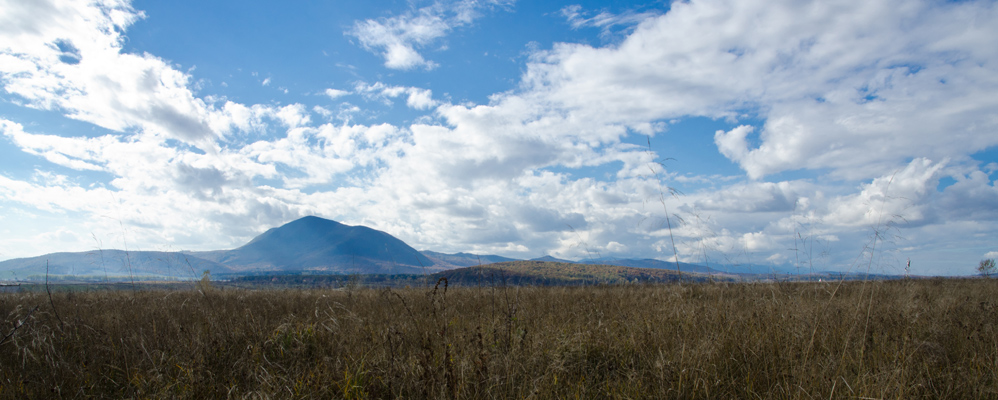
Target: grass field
{"points": [[898, 339]]}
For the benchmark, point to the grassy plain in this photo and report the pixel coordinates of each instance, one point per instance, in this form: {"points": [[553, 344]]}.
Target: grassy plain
{"points": [[893, 339]]}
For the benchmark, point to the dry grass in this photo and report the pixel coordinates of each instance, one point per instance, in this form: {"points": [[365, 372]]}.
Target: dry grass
{"points": [[904, 339]]}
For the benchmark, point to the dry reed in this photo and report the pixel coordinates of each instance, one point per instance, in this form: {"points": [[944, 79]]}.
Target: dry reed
{"points": [[900, 339]]}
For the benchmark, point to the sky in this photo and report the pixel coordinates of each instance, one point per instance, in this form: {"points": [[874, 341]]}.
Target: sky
{"points": [[852, 136]]}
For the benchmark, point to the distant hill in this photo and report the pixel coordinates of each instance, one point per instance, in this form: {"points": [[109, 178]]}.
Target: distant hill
{"points": [[652, 263], [548, 258], [458, 260], [320, 245], [759, 269], [112, 265], [542, 273]]}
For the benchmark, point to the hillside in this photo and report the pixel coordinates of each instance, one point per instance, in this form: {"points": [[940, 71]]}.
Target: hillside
{"points": [[542, 273], [651, 263]]}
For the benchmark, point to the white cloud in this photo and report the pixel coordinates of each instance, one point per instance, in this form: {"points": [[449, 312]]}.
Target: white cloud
{"points": [[416, 98], [293, 115], [755, 197], [420, 99], [323, 153], [69, 57], [577, 18], [755, 241], [615, 247], [889, 197], [831, 82], [336, 93], [973, 197], [63, 236], [323, 111], [67, 152], [732, 144], [397, 38]]}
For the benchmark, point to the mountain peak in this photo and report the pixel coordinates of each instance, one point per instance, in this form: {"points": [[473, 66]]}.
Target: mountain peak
{"points": [[311, 222], [319, 244], [312, 219]]}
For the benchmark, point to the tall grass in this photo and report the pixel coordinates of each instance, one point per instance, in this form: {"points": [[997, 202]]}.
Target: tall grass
{"points": [[906, 339]]}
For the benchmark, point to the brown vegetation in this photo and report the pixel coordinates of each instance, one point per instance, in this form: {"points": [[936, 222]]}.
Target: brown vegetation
{"points": [[545, 273], [900, 339]]}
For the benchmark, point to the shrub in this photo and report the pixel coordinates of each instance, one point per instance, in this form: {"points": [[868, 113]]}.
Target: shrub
{"points": [[987, 267]]}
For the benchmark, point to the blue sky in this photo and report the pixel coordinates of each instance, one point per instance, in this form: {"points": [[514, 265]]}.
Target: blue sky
{"points": [[848, 136]]}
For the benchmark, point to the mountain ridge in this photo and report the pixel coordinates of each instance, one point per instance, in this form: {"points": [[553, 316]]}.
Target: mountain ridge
{"points": [[111, 264], [310, 244]]}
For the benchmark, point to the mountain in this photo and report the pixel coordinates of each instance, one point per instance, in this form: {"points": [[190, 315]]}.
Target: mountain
{"points": [[317, 245], [548, 258], [112, 265], [458, 260]]}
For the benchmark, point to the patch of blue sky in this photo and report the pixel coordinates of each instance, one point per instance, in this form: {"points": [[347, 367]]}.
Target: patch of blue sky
{"points": [[41, 171], [944, 183], [375, 111], [242, 45], [17, 164], [70, 54], [986, 157], [48, 122], [235, 49], [21, 165], [688, 145], [492, 54]]}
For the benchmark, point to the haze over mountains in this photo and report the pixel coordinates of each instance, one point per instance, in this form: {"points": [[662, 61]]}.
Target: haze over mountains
{"points": [[308, 245]]}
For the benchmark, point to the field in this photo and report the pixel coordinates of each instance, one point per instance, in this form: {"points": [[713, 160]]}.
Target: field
{"points": [[867, 339]]}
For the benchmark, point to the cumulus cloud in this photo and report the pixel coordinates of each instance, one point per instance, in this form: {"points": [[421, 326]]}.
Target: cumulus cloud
{"points": [[322, 153], [397, 39], [755, 197], [974, 197], [898, 195], [70, 58], [336, 93], [830, 82], [416, 98]]}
